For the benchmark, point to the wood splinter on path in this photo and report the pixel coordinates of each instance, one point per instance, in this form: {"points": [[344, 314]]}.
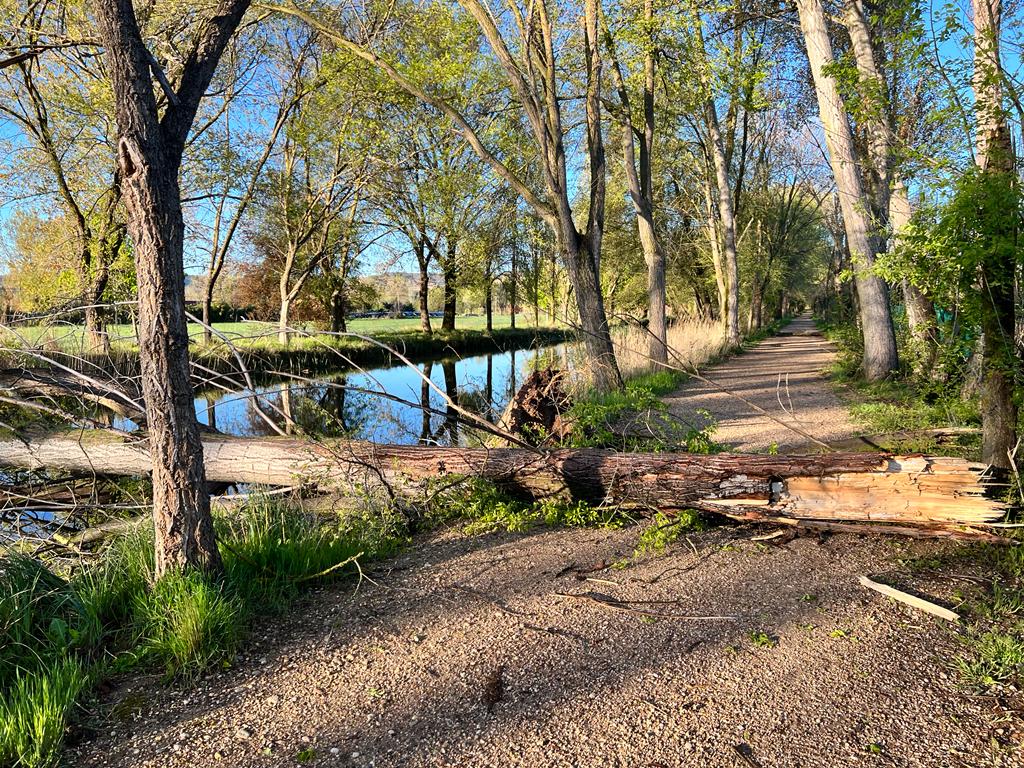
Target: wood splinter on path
{"points": [[912, 600]]}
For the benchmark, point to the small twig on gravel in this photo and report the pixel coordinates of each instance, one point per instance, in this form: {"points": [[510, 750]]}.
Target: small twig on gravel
{"points": [[499, 604], [655, 707], [624, 606], [746, 754], [557, 632]]}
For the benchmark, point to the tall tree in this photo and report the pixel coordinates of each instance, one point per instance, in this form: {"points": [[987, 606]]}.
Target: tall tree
{"points": [[888, 184], [725, 235], [150, 147], [638, 128], [58, 108], [880, 356], [994, 155]]}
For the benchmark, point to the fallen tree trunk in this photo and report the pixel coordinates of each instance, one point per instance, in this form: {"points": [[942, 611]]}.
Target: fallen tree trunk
{"points": [[868, 487]]}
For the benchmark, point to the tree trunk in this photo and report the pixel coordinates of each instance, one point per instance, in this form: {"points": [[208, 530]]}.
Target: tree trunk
{"points": [[96, 338], [149, 155], [920, 310], [641, 185], [513, 288], [207, 312], [338, 311], [727, 217], [489, 302], [423, 261], [283, 329], [553, 299], [880, 356], [450, 297], [871, 487], [994, 153]]}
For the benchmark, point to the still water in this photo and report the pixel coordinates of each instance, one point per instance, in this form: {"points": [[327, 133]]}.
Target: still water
{"points": [[385, 405]]}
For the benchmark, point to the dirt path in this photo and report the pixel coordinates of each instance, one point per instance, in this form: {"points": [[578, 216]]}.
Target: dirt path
{"points": [[502, 650], [400, 673], [784, 375]]}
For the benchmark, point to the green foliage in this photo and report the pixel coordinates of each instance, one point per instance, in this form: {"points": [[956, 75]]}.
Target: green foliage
{"points": [[665, 530], [994, 640], [35, 709], [995, 657], [761, 639], [59, 633], [484, 508], [635, 418], [905, 403], [189, 622], [945, 247]]}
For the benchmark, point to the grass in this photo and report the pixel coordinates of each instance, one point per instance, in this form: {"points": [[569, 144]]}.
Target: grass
{"points": [[993, 653], [481, 507], [664, 530], [64, 632], [694, 343], [253, 333], [904, 404], [259, 349], [636, 418]]}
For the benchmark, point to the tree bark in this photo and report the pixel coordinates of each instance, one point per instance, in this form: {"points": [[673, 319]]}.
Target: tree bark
{"points": [[423, 261], [450, 273], [920, 310], [150, 148], [284, 334], [338, 311], [880, 355], [838, 486], [727, 217], [489, 302], [640, 183], [994, 154]]}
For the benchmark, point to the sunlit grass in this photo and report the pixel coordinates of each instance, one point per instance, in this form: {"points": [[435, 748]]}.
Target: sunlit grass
{"points": [[692, 343], [68, 337]]}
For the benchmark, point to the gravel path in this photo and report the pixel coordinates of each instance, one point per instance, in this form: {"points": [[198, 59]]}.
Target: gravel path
{"points": [[504, 651], [783, 375], [464, 653]]}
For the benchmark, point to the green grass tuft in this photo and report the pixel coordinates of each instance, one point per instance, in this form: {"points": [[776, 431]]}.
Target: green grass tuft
{"points": [[34, 712], [664, 530], [189, 622]]}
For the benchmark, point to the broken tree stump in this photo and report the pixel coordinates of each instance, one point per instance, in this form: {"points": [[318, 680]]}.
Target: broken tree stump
{"points": [[536, 411]]}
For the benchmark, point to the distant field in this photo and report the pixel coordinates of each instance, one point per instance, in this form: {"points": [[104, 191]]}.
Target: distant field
{"points": [[261, 334]]}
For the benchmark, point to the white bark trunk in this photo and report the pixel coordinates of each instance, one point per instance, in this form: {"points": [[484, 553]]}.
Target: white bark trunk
{"points": [[880, 355]]}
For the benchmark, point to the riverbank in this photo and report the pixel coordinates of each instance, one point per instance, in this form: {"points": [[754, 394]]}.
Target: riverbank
{"points": [[308, 352]]}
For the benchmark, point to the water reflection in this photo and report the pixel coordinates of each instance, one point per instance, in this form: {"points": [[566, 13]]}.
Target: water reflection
{"points": [[350, 404]]}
